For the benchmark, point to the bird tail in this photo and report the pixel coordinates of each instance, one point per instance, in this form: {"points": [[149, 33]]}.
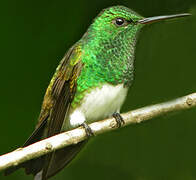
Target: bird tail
{"points": [[59, 159]]}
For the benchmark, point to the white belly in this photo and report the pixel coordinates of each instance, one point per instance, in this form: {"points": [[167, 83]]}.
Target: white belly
{"points": [[99, 103]]}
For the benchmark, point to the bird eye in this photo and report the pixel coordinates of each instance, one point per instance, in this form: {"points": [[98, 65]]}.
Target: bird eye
{"points": [[120, 22]]}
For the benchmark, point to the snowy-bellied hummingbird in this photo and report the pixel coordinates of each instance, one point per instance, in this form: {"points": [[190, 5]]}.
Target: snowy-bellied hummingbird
{"points": [[90, 84]]}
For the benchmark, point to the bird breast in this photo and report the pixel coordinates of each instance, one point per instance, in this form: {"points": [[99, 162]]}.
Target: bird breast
{"points": [[100, 103]]}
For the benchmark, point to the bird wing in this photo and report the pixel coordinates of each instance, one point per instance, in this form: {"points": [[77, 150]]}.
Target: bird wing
{"points": [[55, 108], [61, 91]]}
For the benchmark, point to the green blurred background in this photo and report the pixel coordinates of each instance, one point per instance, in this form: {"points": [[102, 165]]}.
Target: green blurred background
{"points": [[34, 37]]}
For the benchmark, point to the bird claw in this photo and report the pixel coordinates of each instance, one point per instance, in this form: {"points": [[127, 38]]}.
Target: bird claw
{"points": [[119, 119], [88, 130]]}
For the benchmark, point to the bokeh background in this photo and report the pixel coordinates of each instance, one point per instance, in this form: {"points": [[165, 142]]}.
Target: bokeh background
{"points": [[34, 36]]}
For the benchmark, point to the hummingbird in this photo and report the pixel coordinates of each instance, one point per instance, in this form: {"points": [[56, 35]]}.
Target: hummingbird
{"points": [[90, 84]]}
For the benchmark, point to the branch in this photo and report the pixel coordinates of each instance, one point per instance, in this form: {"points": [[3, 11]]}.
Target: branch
{"points": [[76, 135]]}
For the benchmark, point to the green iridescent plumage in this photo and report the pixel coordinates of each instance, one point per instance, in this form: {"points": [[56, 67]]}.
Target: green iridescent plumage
{"points": [[108, 51]]}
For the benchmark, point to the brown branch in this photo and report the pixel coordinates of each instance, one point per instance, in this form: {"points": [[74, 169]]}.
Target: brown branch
{"points": [[76, 135]]}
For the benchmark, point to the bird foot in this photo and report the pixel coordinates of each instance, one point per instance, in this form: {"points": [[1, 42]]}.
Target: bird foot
{"points": [[88, 130], [118, 119]]}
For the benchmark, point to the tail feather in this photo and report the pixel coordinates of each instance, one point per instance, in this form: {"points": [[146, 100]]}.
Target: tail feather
{"points": [[61, 158]]}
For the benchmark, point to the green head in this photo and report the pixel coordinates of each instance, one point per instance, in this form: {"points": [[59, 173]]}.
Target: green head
{"points": [[108, 46], [118, 21], [115, 22]]}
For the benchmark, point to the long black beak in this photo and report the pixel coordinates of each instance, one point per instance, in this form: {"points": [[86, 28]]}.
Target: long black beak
{"points": [[159, 18]]}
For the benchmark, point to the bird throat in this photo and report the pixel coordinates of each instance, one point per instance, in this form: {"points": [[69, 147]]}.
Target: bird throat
{"points": [[106, 60]]}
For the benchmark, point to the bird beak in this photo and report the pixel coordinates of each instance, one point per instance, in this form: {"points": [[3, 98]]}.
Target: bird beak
{"points": [[160, 18]]}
